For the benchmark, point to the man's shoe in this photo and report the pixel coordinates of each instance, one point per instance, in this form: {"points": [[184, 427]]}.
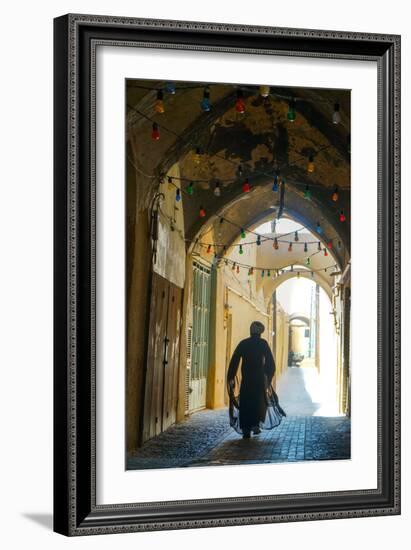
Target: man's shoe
{"points": [[246, 435]]}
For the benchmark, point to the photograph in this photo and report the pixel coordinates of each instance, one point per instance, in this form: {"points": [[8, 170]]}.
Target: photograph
{"points": [[238, 274]]}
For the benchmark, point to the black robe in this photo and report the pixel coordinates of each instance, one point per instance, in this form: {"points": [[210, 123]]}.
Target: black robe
{"points": [[253, 402]]}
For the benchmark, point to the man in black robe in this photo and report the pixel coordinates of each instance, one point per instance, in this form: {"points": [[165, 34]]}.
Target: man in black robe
{"points": [[253, 403]]}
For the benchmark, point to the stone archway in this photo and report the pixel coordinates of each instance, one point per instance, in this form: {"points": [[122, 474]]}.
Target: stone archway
{"points": [[258, 143]]}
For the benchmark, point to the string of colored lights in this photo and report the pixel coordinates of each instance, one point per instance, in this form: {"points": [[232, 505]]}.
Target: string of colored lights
{"points": [[278, 270], [265, 91], [260, 238], [217, 256], [202, 212], [276, 172], [306, 260], [277, 179], [240, 107]]}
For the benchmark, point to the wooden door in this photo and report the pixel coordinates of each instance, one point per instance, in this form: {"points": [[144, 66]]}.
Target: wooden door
{"points": [[160, 394], [171, 362]]}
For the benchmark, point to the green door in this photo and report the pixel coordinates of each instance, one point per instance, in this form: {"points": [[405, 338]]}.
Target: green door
{"points": [[200, 336]]}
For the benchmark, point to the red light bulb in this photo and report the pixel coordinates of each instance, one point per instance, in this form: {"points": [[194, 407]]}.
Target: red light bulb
{"points": [[155, 134], [239, 104], [246, 186], [342, 216], [202, 212]]}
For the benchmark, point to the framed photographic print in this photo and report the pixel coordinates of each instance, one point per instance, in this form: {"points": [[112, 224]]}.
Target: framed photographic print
{"points": [[227, 275]]}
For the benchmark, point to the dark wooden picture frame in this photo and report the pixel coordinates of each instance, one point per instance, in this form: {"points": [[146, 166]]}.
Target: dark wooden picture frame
{"points": [[75, 508]]}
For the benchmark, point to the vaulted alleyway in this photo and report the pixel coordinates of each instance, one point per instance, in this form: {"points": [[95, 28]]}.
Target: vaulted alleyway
{"points": [[205, 438]]}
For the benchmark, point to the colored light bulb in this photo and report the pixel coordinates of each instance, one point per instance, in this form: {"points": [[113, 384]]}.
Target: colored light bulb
{"points": [[290, 247], [339, 245], [310, 164], [275, 244], [239, 104], [330, 244], [268, 273], [197, 156], [155, 134], [296, 238], [334, 196], [336, 114], [258, 240], [325, 252], [190, 188], [217, 189], [291, 114], [319, 246], [209, 249], [305, 247], [233, 268], [170, 88], [202, 212], [178, 195], [238, 269], [308, 261], [242, 233], [241, 251], [275, 183], [319, 228], [262, 273], [342, 216], [264, 91], [307, 193], [205, 102], [246, 186], [159, 104]]}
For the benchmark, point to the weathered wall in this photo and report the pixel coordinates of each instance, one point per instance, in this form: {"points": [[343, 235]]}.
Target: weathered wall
{"points": [[170, 264], [171, 250], [281, 344], [138, 280]]}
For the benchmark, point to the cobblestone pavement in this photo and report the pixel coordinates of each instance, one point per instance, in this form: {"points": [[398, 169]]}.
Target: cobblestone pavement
{"points": [[205, 438], [297, 438], [183, 442]]}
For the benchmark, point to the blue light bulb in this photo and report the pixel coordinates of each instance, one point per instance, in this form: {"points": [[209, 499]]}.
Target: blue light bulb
{"points": [[205, 104], [275, 183], [170, 88]]}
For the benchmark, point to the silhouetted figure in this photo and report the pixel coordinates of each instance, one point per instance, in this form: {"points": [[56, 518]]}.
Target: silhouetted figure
{"points": [[253, 402]]}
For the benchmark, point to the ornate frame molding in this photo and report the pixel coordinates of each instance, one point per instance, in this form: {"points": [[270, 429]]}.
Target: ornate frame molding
{"points": [[76, 40]]}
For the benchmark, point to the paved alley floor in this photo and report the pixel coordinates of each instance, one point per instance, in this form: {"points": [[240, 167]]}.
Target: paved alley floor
{"points": [[205, 438]]}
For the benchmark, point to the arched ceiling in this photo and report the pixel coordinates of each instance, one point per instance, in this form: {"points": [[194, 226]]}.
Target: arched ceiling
{"points": [[261, 141], [271, 285]]}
